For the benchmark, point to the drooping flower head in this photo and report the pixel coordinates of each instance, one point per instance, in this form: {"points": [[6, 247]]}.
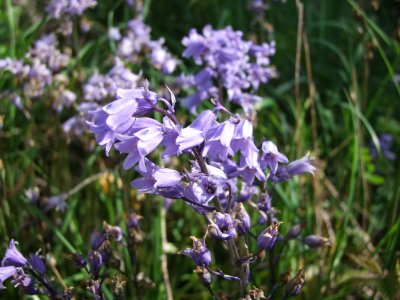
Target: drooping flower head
{"points": [[199, 252], [13, 257], [267, 238]]}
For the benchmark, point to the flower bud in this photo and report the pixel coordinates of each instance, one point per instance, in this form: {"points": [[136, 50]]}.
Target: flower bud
{"points": [[294, 286], [315, 241], [95, 262], [79, 260], [294, 232], [267, 238], [199, 252], [204, 275], [243, 217], [37, 264]]}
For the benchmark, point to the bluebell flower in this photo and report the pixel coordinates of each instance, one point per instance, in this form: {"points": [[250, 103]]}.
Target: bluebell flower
{"points": [[230, 63], [222, 226], [13, 257], [267, 238], [95, 262], [5, 273], [199, 252], [271, 157], [37, 264], [156, 179], [24, 283], [315, 241], [297, 167], [385, 143], [218, 140]]}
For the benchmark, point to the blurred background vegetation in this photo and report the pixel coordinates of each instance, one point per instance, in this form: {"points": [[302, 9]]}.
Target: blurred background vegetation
{"points": [[334, 96]]}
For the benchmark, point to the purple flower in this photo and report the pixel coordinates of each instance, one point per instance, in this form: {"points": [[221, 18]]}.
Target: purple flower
{"points": [[193, 135], [300, 166], [222, 227], [243, 217], [98, 88], [271, 157], [199, 252], [57, 8], [385, 143], [229, 63], [79, 260], [114, 34], [96, 240], [267, 238], [113, 231], [218, 140], [37, 264], [24, 283], [95, 262], [315, 241], [157, 180], [13, 257], [5, 273], [140, 144]]}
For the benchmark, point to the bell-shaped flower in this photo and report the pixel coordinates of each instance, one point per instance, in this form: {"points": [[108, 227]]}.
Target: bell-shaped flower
{"points": [[271, 156], [194, 134], [141, 143], [218, 140], [13, 257], [37, 264], [5, 273], [156, 179], [199, 252], [222, 226], [267, 238], [300, 166]]}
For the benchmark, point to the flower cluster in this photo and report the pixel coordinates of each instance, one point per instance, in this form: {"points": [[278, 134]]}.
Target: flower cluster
{"points": [[29, 275], [233, 68], [227, 172], [44, 63], [137, 43], [59, 8]]}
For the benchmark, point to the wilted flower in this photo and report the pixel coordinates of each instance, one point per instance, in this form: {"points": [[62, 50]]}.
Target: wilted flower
{"points": [[294, 286], [243, 217], [113, 231]]}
